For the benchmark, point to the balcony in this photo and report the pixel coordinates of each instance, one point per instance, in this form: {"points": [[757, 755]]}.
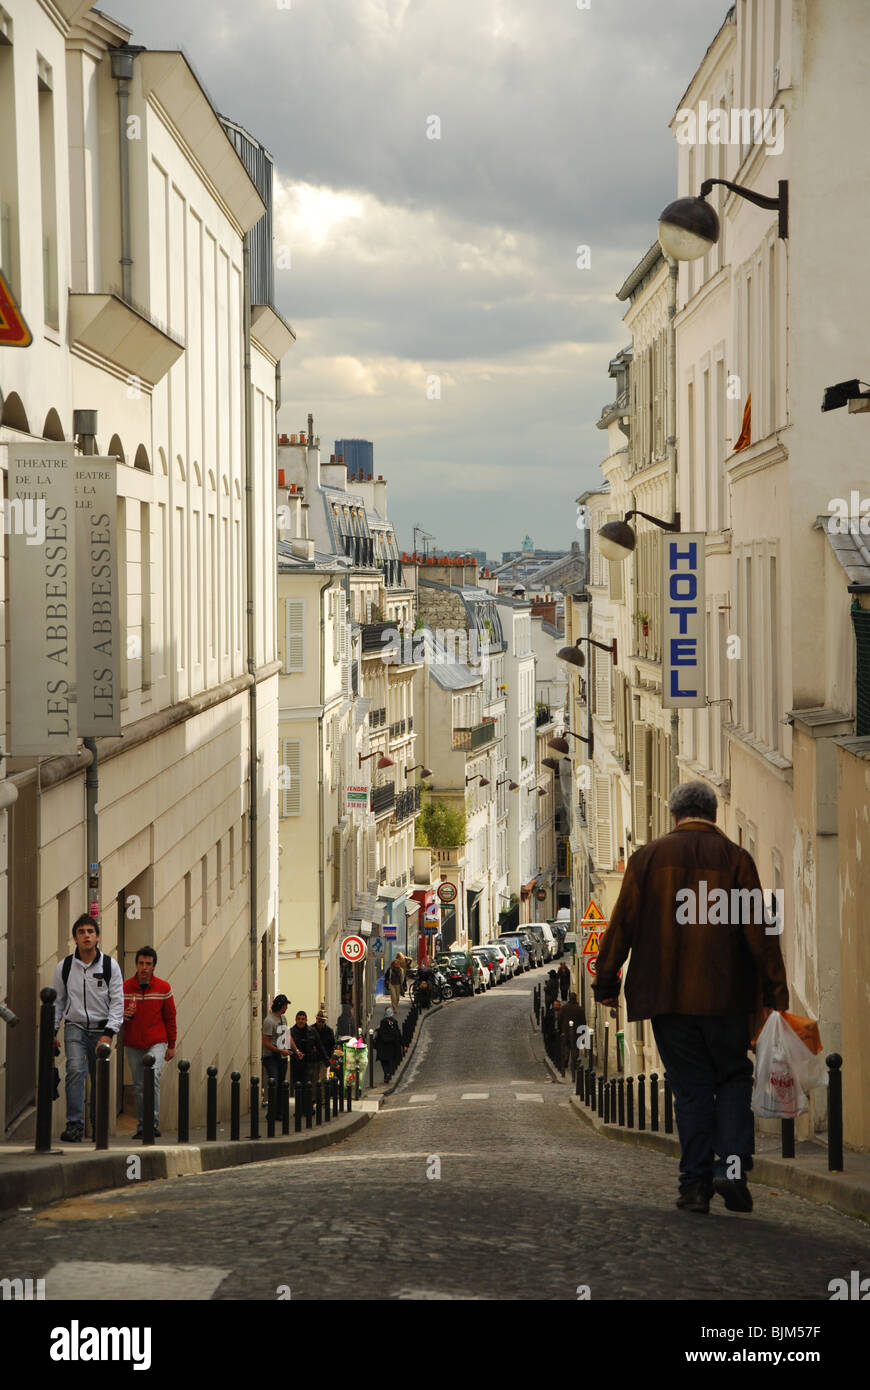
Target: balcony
{"points": [[383, 799], [472, 739], [372, 637], [377, 717], [542, 715], [360, 549], [399, 729], [407, 804], [393, 577]]}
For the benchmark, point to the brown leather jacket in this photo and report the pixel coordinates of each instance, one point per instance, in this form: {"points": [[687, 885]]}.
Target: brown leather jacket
{"points": [[681, 967]]}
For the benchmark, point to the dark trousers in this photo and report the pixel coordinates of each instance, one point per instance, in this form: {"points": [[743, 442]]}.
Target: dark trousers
{"points": [[275, 1068], [711, 1079]]}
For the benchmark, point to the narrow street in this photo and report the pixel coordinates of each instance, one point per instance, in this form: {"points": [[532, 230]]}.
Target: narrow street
{"points": [[529, 1204]]}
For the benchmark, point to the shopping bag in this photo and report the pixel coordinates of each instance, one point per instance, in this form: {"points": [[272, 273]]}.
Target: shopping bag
{"points": [[776, 1092], [806, 1062], [807, 1030]]}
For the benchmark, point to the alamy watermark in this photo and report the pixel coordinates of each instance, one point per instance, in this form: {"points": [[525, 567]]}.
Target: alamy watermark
{"points": [[446, 646], [740, 125], [721, 907], [24, 517]]}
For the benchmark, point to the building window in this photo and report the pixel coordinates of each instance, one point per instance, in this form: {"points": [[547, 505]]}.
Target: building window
{"points": [[291, 794]]}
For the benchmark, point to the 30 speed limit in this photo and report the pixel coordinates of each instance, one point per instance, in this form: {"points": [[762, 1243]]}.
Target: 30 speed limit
{"points": [[353, 948]]}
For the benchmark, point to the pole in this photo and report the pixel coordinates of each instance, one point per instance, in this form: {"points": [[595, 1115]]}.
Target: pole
{"points": [[101, 1118], [673, 271], [45, 1072]]}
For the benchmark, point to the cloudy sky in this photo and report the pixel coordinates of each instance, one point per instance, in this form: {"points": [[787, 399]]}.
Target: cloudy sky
{"points": [[414, 258]]}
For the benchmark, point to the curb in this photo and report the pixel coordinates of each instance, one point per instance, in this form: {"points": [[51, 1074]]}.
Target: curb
{"points": [[397, 1074], [74, 1177]]}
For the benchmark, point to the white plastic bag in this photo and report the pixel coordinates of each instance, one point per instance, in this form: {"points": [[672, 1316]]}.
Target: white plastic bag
{"points": [[777, 1092]]}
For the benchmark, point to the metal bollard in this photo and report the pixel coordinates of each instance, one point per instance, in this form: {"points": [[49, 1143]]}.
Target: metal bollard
{"points": [[285, 1107], [148, 1099], [613, 1100], [297, 1108], [356, 1085], [333, 1091], [271, 1107], [579, 1089], [654, 1101], [606, 1049], [183, 1102], [371, 1059], [235, 1105], [341, 1087], [641, 1102], [318, 1106], [669, 1106], [101, 1123], [255, 1107], [591, 1091], [601, 1095], [835, 1112], [620, 1099], [324, 1089], [606, 1115], [588, 1091], [787, 1138], [349, 1098], [45, 1073], [211, 1104], [629, 1102]]}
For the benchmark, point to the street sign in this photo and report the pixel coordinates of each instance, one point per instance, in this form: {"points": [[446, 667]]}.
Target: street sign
{"points": [[389, 932], [13, 330], [357, 798], [447, 892], [353, 948], [592, 913], [590, 945], [590, 965], [377, 946], [430, 931], [432, 913]]}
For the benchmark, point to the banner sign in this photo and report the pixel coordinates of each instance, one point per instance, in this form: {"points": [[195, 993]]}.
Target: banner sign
{"points": [[684, 677], [39, 517], [99, 657], [357, 798]]}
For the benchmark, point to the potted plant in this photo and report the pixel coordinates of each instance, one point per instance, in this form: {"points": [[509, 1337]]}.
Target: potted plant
{"points": [[643, 619]]}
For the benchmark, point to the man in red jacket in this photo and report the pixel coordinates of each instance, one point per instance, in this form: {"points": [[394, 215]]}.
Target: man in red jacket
{"points": [[149, 1026]]}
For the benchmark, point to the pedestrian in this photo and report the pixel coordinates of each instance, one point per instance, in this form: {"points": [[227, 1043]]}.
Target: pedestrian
{"points": [[571, 1019], [90, 1003], [563, 977], [551, 1030], [324, 1039], [274, 1046], [388, 1044], [551, 987], [149, 1026], [303, 1050], [344, 1028], [700, 982], [394, 977]]}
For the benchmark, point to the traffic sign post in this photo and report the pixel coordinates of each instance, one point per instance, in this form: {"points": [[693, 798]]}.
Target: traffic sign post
{"points": [[13, 330], [353, 948]]}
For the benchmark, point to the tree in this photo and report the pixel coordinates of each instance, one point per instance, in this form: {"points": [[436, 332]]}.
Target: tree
{"points": [[440, 826]]}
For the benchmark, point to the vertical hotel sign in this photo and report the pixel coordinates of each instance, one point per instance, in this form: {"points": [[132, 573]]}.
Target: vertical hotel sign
{"points": [[96, 543], [684, 677], [42, 628]]}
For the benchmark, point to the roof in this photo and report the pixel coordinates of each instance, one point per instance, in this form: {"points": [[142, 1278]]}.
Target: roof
{"points": [[450, 674], [641, 270], [851, 549]]}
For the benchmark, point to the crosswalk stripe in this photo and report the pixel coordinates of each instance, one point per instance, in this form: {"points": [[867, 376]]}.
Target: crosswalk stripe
{"points": [[529, 1095], [417, 1100], [475, 1095]]}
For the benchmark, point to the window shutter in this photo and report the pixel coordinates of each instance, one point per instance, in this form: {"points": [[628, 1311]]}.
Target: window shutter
{"points": [[603, 834], [603, 693], [640, 797], [615, 567], [372, 859], [336, 864], [291, 795], [338, 627], [294, 634]]}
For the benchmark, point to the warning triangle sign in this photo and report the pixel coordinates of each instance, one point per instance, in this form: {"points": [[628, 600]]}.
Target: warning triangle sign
{"points": [[592, 913], [590, 945], [13, 330]]}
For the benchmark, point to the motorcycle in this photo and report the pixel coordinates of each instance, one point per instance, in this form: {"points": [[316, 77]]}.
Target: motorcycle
{"points": [[459, 983]]}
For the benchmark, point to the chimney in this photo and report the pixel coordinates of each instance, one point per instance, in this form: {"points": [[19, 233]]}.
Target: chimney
{"points": [[379, 490]]}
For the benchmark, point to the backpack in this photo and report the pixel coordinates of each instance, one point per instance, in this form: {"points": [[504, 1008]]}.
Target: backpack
{"points": [[107, 969]]}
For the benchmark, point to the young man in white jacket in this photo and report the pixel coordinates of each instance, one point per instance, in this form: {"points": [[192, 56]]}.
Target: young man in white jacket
{"points": [[90, 1004]]}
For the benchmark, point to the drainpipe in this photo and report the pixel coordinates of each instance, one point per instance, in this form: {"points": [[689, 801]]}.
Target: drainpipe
{"points": [[85, 426], [321, 885], [673, 269], [253, 761], [122, 70]]}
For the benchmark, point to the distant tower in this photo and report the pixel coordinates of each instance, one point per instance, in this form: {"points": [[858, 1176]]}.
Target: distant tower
{"points": [[358, 456], [528, 545]]}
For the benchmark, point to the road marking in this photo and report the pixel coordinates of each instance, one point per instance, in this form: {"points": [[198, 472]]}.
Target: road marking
{"points": [[529, 1095], [133, 1281], [475, 1095], [524, 1083], [418, 1100]]}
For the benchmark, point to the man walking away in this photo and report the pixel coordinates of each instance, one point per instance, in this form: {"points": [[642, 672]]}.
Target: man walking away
{"points": [[149, 1026], [275, 1050], [563, 976], [325, 1046], [700, 976], [395, 978], [90, 1004], [571, 1018], [388, 1044]]}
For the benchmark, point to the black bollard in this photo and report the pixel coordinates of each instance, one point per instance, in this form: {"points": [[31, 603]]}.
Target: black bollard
{"points": [[235, 1105], [45, 1073], [669, 1106], [211, 1074], [620, 1100], [835, 1112], [255, 1107], [787, 1138], [371, 1059], [588, 1093], [333, 1092], [356, 1085], [324, 1090], [613, 1100], [285, 1107], [148, 1099], [341, 1088], [654, 1101], [592, 1091], [349, 1098], [641, 1102], [601, 1095], [579, 1087], [183, 1102], [629, 1102], [606, 1115], [271, 1107], [101, 1123], [297, 1107], [318, 1106]]}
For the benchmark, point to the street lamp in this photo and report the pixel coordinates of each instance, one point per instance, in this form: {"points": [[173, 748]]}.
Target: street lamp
{"points": [[551, 763], [382, 762], [573, 655], [484, 781], [688, 227], [561, 744], [424, 771], [511, 786]]}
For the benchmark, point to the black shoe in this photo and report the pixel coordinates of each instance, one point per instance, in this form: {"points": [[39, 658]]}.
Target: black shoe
{"points": [[157, 1134], [734, 1192], [694, 1198], [73, 1134], [138, 1134]]}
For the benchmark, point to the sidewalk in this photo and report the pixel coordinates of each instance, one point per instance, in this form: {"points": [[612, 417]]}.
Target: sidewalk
{"points": [[806, 1174]]}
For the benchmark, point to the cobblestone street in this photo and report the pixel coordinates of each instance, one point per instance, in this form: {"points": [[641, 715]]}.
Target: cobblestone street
{"points": [[529, 1204]]}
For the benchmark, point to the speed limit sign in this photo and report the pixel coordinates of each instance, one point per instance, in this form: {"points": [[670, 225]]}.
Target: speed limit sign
{"points": [[353, 948]]}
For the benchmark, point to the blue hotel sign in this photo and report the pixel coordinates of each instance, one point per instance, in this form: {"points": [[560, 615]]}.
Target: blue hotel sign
{"points": [[684, 676]]}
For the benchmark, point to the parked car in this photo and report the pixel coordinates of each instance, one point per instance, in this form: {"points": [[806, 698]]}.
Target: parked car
{"points": [[536, 935], [511, 963], [502, 954], [549, 940], [493, 961], [518, 950]]}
